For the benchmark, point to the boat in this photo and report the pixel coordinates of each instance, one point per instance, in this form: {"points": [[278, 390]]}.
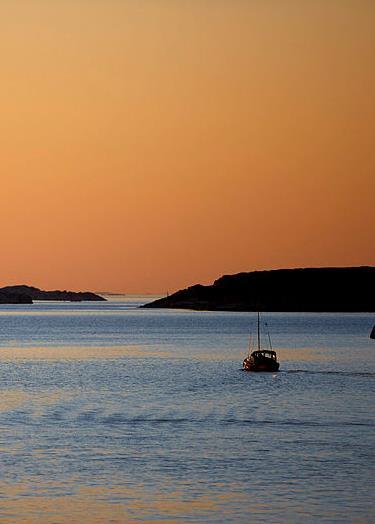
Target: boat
{"points": [[261, 359], [372, 334]]}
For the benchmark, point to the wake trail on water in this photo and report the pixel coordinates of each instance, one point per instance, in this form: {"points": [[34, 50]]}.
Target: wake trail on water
{"points": [[344, 373], [310, 372]]}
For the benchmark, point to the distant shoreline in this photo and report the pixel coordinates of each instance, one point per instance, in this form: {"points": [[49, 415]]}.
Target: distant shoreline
{"points": [[22, 294], [318, 290]]}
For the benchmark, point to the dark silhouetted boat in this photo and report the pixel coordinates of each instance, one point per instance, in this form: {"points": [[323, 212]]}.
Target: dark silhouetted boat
{"points": [[372, 334], [261, 359]]}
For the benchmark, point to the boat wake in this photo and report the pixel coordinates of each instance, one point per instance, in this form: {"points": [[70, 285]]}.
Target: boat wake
{"points": [[367, 374], [344, 373]]}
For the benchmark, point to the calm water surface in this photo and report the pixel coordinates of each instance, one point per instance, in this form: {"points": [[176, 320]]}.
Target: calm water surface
{"points": [[111, 413]]}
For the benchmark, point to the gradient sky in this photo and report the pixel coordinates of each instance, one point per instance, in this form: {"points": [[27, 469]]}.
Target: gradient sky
{"points": [[146, 145]]}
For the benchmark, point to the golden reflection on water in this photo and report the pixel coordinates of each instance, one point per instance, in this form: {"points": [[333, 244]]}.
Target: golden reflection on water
{"points": [[303, 354], [57, 353], [77, 353], [12, 399], [93, 505]]}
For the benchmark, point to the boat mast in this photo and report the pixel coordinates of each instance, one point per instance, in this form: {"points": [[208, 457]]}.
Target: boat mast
{"points": [[258, 334], [269, 336], [250, 345]]}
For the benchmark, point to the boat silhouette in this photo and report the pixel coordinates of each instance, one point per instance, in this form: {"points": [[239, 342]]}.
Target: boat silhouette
{"points": [[261, 359]]}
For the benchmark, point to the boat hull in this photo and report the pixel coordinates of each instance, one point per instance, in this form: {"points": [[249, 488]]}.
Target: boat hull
{"points": [[260, 365]]}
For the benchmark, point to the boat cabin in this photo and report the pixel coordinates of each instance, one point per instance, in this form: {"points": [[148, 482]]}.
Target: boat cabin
{"points": [[265, 353]]}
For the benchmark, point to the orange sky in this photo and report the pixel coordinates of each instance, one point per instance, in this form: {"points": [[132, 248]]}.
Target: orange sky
{"points": [[146, 145]]}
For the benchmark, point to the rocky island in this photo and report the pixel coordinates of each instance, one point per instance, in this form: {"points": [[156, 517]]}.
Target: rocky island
{"points": [[349, 289], [27, 294]]}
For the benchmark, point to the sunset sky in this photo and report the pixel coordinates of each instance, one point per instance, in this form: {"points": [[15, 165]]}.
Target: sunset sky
{"points": [[147, 145]]}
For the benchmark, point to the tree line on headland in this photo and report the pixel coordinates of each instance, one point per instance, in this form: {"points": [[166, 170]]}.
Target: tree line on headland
{"points": [[346, 289]]}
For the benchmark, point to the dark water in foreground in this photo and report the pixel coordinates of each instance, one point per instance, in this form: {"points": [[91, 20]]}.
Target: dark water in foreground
{"points": [[113, 414]]}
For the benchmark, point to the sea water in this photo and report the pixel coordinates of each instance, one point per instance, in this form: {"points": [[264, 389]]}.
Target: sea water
{"points": [[111, 413]]}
